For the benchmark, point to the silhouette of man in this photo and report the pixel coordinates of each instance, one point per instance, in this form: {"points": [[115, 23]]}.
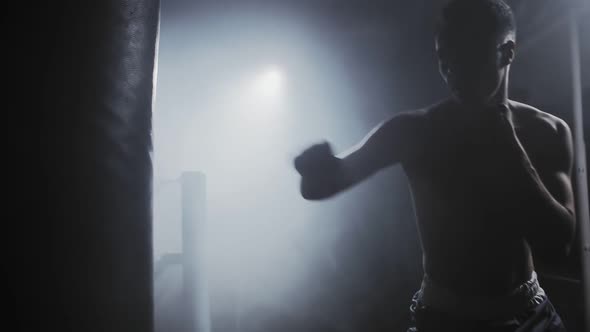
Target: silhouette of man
{"points": [[489, 176]]}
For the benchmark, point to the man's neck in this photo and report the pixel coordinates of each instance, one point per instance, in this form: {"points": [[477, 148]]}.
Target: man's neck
{"points": [[499, 98]]}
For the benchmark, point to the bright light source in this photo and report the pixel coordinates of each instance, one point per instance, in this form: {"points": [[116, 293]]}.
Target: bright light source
{"points": [[270, 83]]}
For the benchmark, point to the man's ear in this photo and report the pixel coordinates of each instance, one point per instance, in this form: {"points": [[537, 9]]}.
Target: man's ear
{"points": [[508, 52]]}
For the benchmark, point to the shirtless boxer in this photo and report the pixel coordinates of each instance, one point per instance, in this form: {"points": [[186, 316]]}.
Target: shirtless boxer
{"points": [[489, 176]]}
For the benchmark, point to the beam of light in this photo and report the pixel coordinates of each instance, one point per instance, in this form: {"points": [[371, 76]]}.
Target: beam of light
{"points": [[269, 84]]}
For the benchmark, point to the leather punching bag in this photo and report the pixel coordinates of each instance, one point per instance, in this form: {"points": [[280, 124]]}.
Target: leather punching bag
{"points": [[87, 263]]}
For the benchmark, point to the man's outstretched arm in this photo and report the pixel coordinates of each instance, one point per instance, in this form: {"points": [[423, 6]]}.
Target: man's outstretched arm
{"points": [[324, 175]]}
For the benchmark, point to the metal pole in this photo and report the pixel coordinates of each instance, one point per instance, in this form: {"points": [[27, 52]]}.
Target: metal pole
{"points": [[580, 161], [193, 250]]}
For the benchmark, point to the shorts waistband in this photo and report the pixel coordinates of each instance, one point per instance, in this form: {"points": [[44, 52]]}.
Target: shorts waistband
{"points": [[524, 297]]}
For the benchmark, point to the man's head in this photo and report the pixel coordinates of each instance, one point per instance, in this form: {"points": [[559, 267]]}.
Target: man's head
{"points": [[475, 43]]}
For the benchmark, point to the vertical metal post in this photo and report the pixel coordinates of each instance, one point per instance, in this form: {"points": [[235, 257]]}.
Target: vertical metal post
{"points": [[196, 295], [580, 161]]}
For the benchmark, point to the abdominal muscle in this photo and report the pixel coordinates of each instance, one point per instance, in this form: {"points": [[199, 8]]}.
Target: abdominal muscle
{"points": [[469, 257]]}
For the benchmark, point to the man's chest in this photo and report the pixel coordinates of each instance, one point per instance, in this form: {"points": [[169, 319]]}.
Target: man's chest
{"points": [[457, 156]]}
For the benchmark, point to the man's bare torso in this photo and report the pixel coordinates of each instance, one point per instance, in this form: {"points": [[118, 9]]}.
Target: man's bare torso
{"points": [[466, 198]]}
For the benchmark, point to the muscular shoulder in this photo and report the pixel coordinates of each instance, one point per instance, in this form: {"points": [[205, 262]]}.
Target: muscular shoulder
{"points": [[407, 131], [408, 117], [549, 133], [416, 119], [403, 125], [529, 118]]}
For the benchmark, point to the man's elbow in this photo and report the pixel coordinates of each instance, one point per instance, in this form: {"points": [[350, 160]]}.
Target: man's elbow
{"points": [[555, 246], [569, 233]]}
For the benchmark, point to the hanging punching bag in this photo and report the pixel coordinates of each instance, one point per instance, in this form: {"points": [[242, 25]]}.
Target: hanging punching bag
{"points": [[85, 263]]}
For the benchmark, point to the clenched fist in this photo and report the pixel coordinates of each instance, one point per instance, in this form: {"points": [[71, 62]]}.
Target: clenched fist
{"points": [[316, 160]]}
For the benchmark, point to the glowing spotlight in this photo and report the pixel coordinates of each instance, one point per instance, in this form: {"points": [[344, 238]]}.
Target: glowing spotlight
{"points": [[270, 83]]}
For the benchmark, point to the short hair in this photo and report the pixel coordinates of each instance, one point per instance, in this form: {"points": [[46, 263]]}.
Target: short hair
{"points": [[485, 18]]}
